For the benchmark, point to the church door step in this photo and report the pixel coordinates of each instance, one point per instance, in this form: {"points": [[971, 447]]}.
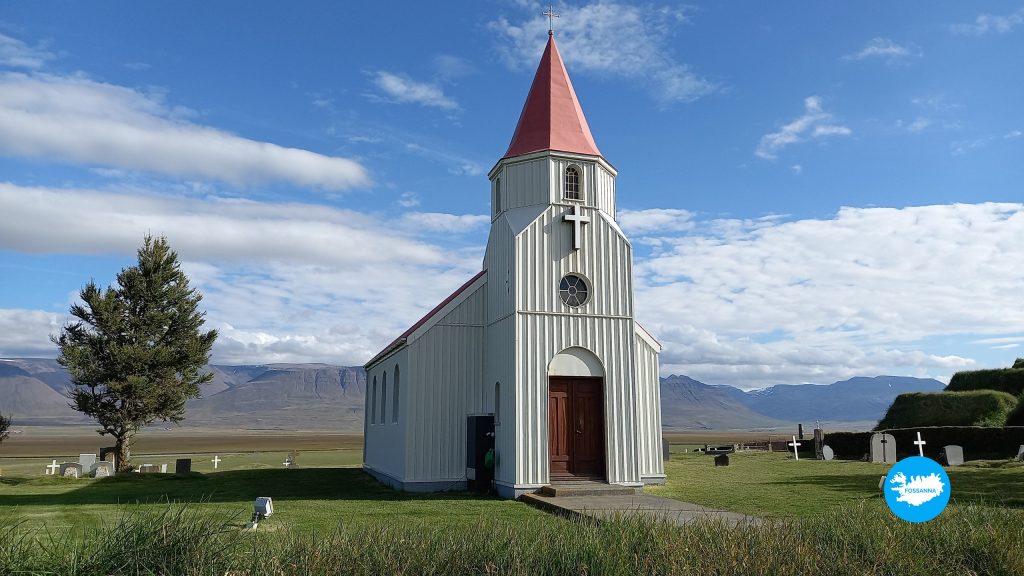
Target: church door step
{"points": [[587, 489]]}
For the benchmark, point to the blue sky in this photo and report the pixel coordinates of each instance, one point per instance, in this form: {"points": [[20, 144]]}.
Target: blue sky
{"points": [[814, 190]]}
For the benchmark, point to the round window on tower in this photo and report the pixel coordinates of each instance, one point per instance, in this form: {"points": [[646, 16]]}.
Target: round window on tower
{"points": [[573, 290]]}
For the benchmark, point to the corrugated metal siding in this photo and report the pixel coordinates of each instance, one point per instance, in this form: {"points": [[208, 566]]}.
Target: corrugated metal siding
{"points": [[525, 183], [500, 368], [447, 362], [612, 340], [384, 443], [498, 262], [604, 188], [544, 254], [648, 409]]}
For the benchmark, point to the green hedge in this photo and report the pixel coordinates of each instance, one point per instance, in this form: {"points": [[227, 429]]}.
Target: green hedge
{"points": [[974, 408], [1009, 380], [1016, 418], [978, 442]]}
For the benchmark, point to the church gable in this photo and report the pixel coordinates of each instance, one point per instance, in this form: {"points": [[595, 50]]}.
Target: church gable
{"points": [[545, 254]]}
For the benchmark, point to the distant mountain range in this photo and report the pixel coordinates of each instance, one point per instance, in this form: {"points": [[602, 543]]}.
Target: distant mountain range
{"points": [[325, 397]]}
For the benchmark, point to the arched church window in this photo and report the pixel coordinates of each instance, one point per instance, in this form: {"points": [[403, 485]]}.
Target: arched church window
{"points": [[573, 290], [572, 183], [497, 403], [394, 404], [373, 402], [384, 398]]}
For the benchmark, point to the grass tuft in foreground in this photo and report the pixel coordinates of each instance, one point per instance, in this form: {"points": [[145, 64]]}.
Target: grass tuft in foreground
{"points": [[862, 540]]}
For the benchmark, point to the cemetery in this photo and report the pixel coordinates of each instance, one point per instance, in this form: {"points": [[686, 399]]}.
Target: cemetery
{"points": [[322, 500]]}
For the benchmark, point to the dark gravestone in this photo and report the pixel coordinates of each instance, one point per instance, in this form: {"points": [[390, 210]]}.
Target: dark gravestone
{"points": [[827, 453], [800, 431], [109, 454], [666, 451], [183, 466], [819, 442], [722, 460], [952, 455]]}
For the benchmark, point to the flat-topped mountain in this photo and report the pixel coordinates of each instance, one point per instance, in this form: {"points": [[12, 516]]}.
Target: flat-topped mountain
{"points": [[326, 397]]}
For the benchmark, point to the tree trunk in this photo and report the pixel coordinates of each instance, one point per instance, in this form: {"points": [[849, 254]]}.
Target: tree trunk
{"points": [[122, 448]]}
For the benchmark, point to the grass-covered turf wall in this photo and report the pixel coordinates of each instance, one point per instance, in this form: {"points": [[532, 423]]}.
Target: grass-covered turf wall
{"points": [[978, 442], [971, 408], [1009, 380]]}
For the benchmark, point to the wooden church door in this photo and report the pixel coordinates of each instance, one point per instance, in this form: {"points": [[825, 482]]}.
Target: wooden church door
{"points": [[575, 428]]}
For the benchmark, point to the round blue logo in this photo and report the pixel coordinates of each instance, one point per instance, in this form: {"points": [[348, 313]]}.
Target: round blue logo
{"points": [[917, 489]]}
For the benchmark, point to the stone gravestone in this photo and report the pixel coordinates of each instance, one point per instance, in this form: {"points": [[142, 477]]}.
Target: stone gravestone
{"points": [[149, 469], [104, 469], [819, 441], [1020, 452], [953, 455], [827, 453], [883, 448], [722, 460], [87, 462], [70, 470], [183, 466], [666, 452]]}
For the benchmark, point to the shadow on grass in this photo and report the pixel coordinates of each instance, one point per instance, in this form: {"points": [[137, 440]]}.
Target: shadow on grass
{"points": [[231, 486]]}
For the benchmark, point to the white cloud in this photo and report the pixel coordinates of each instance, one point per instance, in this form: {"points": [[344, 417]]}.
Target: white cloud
{"points": [[886, 50], [284, 282], [409, 200], [402, 89], [769, 301], [446, 223], [917, 125], [796, 169], [1013, 134], [815, 123], [655, 220], [609, 39], [991, 24], [27, 332], [83, 121], [16, 54], [43, 220]]}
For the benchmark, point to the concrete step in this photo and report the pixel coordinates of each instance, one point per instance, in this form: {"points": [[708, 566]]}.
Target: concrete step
{"points": [[587, 489]]}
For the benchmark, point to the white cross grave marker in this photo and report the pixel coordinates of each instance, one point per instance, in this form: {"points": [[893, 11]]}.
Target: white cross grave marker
{"points": [[920, 444], [216, 461], [578, 220], [795, 445], [52, 468]]}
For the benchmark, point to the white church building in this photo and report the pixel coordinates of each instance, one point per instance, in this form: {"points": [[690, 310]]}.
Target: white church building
{"points": [[543, 337]]}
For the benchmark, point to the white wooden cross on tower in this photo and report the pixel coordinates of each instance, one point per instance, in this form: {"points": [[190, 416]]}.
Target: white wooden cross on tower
{"points": [[794, 444], [920, 444], [578, 220], [216, 461], [52, 468]]}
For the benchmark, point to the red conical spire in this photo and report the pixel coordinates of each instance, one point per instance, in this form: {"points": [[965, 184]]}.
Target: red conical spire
{"points": [[552, 118]]}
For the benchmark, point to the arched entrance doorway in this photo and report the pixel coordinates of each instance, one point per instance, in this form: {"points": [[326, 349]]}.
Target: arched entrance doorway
{"points": [[576, 416]]}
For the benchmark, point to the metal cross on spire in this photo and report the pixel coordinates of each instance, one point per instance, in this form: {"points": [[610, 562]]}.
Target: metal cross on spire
{"points": [[551, 19]]}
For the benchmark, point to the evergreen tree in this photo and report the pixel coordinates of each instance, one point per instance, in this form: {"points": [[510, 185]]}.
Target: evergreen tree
{"points": [[136, 350]]}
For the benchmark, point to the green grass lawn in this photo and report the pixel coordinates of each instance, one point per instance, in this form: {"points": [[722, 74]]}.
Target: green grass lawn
{"points": [[305, 499], [773, 484]]}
